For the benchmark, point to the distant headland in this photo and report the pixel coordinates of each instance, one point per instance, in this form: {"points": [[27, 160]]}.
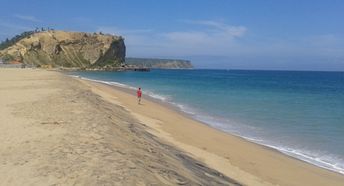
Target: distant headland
{"points": [[159, 63]]}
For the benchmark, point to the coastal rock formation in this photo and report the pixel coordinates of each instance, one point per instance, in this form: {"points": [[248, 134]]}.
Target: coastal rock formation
{"points": [[67, 49], [159, 63]]}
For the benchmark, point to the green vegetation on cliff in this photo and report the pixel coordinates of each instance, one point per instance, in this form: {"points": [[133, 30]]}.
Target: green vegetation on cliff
{"points": [[9, 42]]}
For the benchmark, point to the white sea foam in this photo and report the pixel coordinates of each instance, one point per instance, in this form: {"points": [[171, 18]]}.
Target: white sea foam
{"points": [[105, 82], [117, 84], [316, 158], [324, 161], [319, 159], [184, 108], [157, 96], [74, 76]]}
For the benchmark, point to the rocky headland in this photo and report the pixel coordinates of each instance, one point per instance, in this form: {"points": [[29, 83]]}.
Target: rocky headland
{"points": [[66, 49]]}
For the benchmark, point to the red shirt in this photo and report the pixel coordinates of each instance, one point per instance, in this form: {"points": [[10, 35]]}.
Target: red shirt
{"points": [[139, 93]]}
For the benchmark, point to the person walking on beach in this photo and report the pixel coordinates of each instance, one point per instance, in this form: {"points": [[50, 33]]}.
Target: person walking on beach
{"points": [[139, 94]]}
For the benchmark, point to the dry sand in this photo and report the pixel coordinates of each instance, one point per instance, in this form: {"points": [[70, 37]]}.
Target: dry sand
{"points": [[55, 131]]}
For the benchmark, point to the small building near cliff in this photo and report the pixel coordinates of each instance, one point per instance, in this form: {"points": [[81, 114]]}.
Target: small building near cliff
{"points": [[15, 62]]}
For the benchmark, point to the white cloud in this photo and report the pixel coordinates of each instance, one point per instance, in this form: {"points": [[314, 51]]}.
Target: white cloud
{"points": [[219, 27], [8, 29], [192, 37], [133, 37], [213, 38], [211, 34], [325, 40], [27, 18], [120, 31], [9, 25]]}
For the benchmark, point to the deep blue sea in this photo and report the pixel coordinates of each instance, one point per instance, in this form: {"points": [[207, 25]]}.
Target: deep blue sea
{"points": [[298, 113]]}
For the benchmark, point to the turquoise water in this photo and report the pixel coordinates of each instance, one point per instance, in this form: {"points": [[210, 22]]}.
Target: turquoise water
{"points": [[299, 113]]}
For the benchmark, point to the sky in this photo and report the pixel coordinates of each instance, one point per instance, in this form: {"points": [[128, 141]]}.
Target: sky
{"points": [[229, 34]]}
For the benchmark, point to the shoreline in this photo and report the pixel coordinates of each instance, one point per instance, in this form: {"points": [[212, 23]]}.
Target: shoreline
{"points": [[173, 106], [55, 130], [219, 155]]}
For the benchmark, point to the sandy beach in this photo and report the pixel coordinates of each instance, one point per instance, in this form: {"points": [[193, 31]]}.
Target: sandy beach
{"points": [[55, 131], [61, 130]]}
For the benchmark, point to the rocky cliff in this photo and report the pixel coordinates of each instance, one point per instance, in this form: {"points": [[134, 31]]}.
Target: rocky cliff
{"points": [[159, 63], [67, 49]]}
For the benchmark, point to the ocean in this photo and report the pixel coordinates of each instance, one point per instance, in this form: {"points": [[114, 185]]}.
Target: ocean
{"points": [[298, 113]]}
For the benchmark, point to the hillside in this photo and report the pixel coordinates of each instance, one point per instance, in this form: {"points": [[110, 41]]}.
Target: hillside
{"points": [[66, 49], [159, 63], [9, 42]]}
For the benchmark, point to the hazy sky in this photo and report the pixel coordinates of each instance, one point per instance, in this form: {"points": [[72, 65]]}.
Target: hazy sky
{"points": [[261, 34]]}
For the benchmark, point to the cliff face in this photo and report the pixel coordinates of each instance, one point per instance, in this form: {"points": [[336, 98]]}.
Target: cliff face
{"points": [[67, 49], [159, 63]]}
